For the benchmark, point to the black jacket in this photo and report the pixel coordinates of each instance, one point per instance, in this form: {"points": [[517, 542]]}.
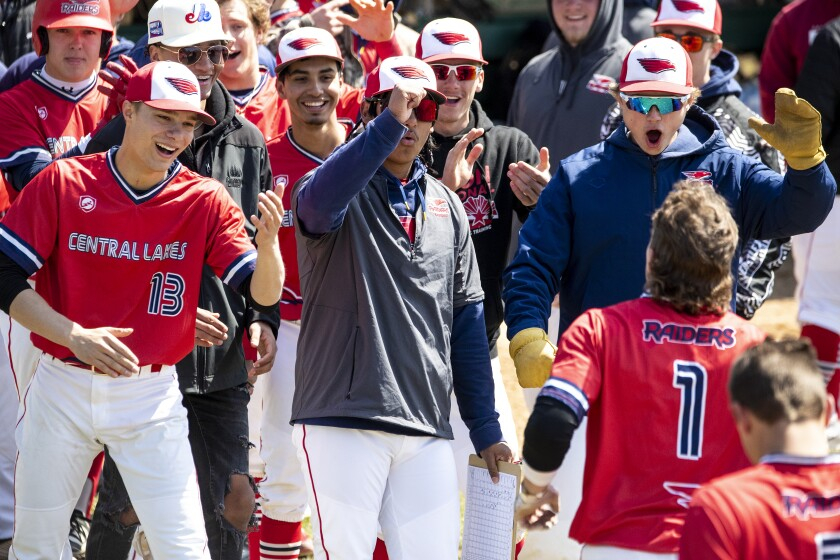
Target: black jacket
{"points": [[15, 29], [490, 203], [234, 153]]}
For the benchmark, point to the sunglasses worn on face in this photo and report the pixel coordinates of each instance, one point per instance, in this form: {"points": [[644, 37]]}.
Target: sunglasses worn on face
{"points": [[665, 105], [691, 42], [218, 54], [463, 72], [426, 111]]}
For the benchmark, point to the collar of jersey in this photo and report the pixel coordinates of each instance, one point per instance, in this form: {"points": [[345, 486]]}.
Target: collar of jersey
{"points": [[301, 149], [242, 101], [139, 197], [75, 97]]}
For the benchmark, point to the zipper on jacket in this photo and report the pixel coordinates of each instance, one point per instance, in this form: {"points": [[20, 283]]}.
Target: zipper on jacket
{"points": [[654, 191]]}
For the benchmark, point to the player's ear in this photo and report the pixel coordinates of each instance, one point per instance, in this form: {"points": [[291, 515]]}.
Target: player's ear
{"points": [[154, 53], [128, 110], [281, 87], [480, 79], [830, 407]]}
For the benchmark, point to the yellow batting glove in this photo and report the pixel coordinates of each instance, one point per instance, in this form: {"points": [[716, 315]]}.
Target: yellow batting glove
{"points": [[533, 355], [797, 132]]}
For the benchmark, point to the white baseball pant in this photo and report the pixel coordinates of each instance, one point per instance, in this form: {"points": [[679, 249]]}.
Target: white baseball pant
{"points": [[361, 479], [283, 489], [67, 415], [23, 356], [8, 450], [462, 445]]}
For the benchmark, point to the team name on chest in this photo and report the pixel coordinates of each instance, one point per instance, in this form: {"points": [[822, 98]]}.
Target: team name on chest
{"points": [[126, 250]]}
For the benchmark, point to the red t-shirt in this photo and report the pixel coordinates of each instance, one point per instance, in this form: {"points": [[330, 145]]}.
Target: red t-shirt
{"points": [[262, 107], [785, 508], [653, 381], [107, 255]]}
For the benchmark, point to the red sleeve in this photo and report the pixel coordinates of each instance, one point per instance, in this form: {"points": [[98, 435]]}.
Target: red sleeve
{"points": [[230, 252], [579, 358], [4, 195], [27, 143], [705, 535], [778, 65]]}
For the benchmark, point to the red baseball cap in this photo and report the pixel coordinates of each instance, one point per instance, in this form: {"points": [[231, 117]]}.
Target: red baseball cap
{"points": [[168, 86], [396, 69], [656, 65], [447, 39], [702, 14]]}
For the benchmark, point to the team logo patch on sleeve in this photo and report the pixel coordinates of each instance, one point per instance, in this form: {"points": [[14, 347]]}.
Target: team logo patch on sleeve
{"points": [[304, 43], [438, 207], [450, 38], [688, 6], [409, 72], [184, 86], [87, 203], [599, 83], [657, 65], [720, 338]]}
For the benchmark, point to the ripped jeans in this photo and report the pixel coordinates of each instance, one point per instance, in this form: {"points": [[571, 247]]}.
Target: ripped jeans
{"points": [[218, 434]]}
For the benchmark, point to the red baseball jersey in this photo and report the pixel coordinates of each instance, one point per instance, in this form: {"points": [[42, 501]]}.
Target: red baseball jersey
{"points": [[785, 508], [263, 107], [107, 255], [653, 382], [46, 121], [289, 162]]}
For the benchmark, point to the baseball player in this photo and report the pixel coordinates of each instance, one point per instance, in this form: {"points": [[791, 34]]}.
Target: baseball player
{"points": [[214, 376], [391, 321], [651, 375], [786, 506], [309, 83], [60, 104], [113, 382], [587, 236]]}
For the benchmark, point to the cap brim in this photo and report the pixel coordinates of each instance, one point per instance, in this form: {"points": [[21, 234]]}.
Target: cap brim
{"points": [[191, 39], [438, 97], [683, 23], [172, 105], [280, 67], [77, 20], [652, 86], [452, 56]]}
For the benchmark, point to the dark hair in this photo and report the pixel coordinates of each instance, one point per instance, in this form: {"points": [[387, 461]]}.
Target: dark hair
{"points": [[693, 239], [426, 155], [779, 381], [281, 77]]}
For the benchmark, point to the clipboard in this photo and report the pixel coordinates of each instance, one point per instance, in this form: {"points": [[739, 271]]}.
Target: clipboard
{"points": [[489, 522]]}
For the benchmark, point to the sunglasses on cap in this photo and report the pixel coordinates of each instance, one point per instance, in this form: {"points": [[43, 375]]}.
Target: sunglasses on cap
{"points": [[691, 42], [426, 111], [463, 72], [665, 105], [218, 54]]}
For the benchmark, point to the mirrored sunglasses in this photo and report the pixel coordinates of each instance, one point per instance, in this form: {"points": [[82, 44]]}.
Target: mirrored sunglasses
{"points": [[427, 110], [691, 42], [218, 54], [463, 72], [665, 105]]}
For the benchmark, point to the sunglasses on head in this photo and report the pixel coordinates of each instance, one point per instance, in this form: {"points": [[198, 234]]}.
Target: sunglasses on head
{"points": [[665, 105], [218, 54], [463, 72], [427, 110], [691, 42]]}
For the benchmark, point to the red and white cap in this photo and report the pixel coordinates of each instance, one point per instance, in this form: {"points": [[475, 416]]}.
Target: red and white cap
{"points": [[307, 42], [656, 65], [396, 69], [179, 23], [168, 86], [449, 38], [702, 14]]}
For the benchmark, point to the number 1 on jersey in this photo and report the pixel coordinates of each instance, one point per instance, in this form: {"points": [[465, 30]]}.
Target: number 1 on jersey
{"points": [[690, 379]]}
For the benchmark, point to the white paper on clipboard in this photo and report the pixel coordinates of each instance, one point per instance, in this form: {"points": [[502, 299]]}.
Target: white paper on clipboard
{"points": [[489, 528]]}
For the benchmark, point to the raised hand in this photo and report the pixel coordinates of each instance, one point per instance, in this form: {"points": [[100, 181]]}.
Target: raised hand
{"points": [[375, 21], [526, 181], [459, 164]]}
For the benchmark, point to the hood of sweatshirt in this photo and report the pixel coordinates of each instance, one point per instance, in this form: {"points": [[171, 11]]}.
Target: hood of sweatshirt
{"points": [[721, 78]]}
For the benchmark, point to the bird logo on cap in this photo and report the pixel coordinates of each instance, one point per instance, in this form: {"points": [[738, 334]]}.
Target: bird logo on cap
{"points": [[304, 43], [450, 38], [409, 72], [183, 86], [657, 65], [688, 6]]}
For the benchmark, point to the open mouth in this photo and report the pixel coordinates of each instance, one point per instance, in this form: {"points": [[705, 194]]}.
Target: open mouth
{"points": [[452, 100], [234, 55], [315, 105], [653, 137], [164, 150], [409, 139]]}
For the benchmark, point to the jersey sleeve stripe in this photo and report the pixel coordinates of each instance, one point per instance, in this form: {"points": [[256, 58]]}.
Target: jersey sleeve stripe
{"points": [[240, 269], [19, 251], [25, 155], [567, 393]]}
